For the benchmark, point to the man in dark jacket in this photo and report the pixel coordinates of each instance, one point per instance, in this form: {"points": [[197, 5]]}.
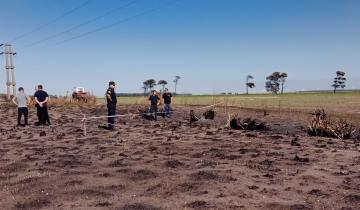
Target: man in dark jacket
{"points": [[41, 98], [111, 104], [154, 100]]}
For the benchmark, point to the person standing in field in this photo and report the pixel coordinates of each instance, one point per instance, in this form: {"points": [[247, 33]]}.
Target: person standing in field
{"points": [[154, 101], [167, 102], [111, 105], [41, 99], [22, 100]]}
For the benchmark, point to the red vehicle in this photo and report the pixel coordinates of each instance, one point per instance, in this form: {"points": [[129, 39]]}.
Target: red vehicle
{"points": [[80, 95]]}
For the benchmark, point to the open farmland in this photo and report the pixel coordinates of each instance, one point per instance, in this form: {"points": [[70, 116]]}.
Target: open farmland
{"points": [[340, 105], [170, 164]]}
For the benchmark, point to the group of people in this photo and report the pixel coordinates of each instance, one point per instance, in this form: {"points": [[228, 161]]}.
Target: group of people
{"points": [[41, 99], [154, 100], [22, 100]]}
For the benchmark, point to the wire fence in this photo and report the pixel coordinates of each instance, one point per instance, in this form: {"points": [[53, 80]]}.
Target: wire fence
{"points": [[85, 118]]}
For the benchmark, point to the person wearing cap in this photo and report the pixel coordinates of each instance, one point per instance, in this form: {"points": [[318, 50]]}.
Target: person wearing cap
{"points": [[111, 105], [22, 101], [154, 101]]}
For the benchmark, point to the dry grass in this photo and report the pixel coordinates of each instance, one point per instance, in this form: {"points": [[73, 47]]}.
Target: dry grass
{"points": [[339, 106], [341, 102], [68, 102], [321, 125]]}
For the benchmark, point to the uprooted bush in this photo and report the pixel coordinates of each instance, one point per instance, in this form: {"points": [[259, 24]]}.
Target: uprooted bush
{"points": [[193, 117], [208, 115], [236, 123], [145, 113], [321, 125]]}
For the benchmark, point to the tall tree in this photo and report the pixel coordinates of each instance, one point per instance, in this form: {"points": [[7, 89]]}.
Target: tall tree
{"points": [[163, 83], [145, 89], [176, 80], [273, 82], [145, 86], [249, 84], [148, 85], [339, 80], [283, 77], [151, 83]]}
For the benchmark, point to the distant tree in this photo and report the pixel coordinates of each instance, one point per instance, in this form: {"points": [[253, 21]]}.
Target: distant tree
{"points": [[249, 84], [151, 83], [273, 82], [283, 77], [339, 80], [176, 80], [163, 83], [148, 85], [145, 87]]}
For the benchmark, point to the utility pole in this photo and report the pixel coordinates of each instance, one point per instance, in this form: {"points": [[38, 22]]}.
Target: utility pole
{"points": [[9, 68]]}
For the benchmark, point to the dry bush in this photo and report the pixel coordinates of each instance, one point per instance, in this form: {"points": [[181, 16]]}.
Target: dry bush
{"points": [[193, 117], [320, 125], [236, 123], [63, 101], [207, 115], [144, 112]]}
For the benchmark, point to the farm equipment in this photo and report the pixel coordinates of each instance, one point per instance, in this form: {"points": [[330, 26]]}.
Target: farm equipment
{"points": [[80, 95]]}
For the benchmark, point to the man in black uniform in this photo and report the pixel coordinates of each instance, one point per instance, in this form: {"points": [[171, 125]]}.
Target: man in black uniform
{"points": [[111, 105], [154, 100]]}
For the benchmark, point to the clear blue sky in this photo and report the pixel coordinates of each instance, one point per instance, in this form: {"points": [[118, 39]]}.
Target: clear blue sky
{"points": [[211, 44]]}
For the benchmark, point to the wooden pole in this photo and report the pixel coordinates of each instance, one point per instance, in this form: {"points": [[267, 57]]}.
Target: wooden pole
{"points": [[84, 125]]}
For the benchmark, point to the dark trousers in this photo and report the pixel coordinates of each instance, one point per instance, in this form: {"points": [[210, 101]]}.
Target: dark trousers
{"points": [[154, 110], [23, 111], [47, 118], [43, 115], [111, 112]]}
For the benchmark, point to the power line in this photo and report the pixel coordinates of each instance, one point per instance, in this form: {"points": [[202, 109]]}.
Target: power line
{"points": [[52, 21], [82, 24], [9, 68], [120, 21]]}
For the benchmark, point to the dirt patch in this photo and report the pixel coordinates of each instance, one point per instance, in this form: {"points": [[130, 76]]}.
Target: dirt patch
{"points": [[170, 164], [204, 176], [198, 205], [142, 174], [353, 198], [118, 163], [139, 206], [173, 164], [280, 206], [33, 204]]}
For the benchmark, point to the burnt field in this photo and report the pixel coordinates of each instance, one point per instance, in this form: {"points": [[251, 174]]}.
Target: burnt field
{"points": [[170, 164]]}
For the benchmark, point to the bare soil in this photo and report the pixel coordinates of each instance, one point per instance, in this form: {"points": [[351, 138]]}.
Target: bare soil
{"points": [[168, 164]]}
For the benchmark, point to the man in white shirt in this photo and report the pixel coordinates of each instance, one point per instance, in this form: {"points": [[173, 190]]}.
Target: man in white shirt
{"points": [[22, 101]]}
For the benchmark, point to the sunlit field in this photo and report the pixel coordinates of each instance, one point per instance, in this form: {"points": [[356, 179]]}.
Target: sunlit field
{"points": [[341, 102]]}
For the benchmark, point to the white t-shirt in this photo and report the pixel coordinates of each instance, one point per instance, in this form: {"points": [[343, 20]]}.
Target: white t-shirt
{"points": [[21, 99]]}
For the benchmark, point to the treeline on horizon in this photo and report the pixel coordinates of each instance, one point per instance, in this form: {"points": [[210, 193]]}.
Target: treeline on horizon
{"points": [[231, 93]]}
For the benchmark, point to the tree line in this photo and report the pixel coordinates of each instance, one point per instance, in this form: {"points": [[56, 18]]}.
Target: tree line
{"points": [[275, 82], [150, 84]]}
